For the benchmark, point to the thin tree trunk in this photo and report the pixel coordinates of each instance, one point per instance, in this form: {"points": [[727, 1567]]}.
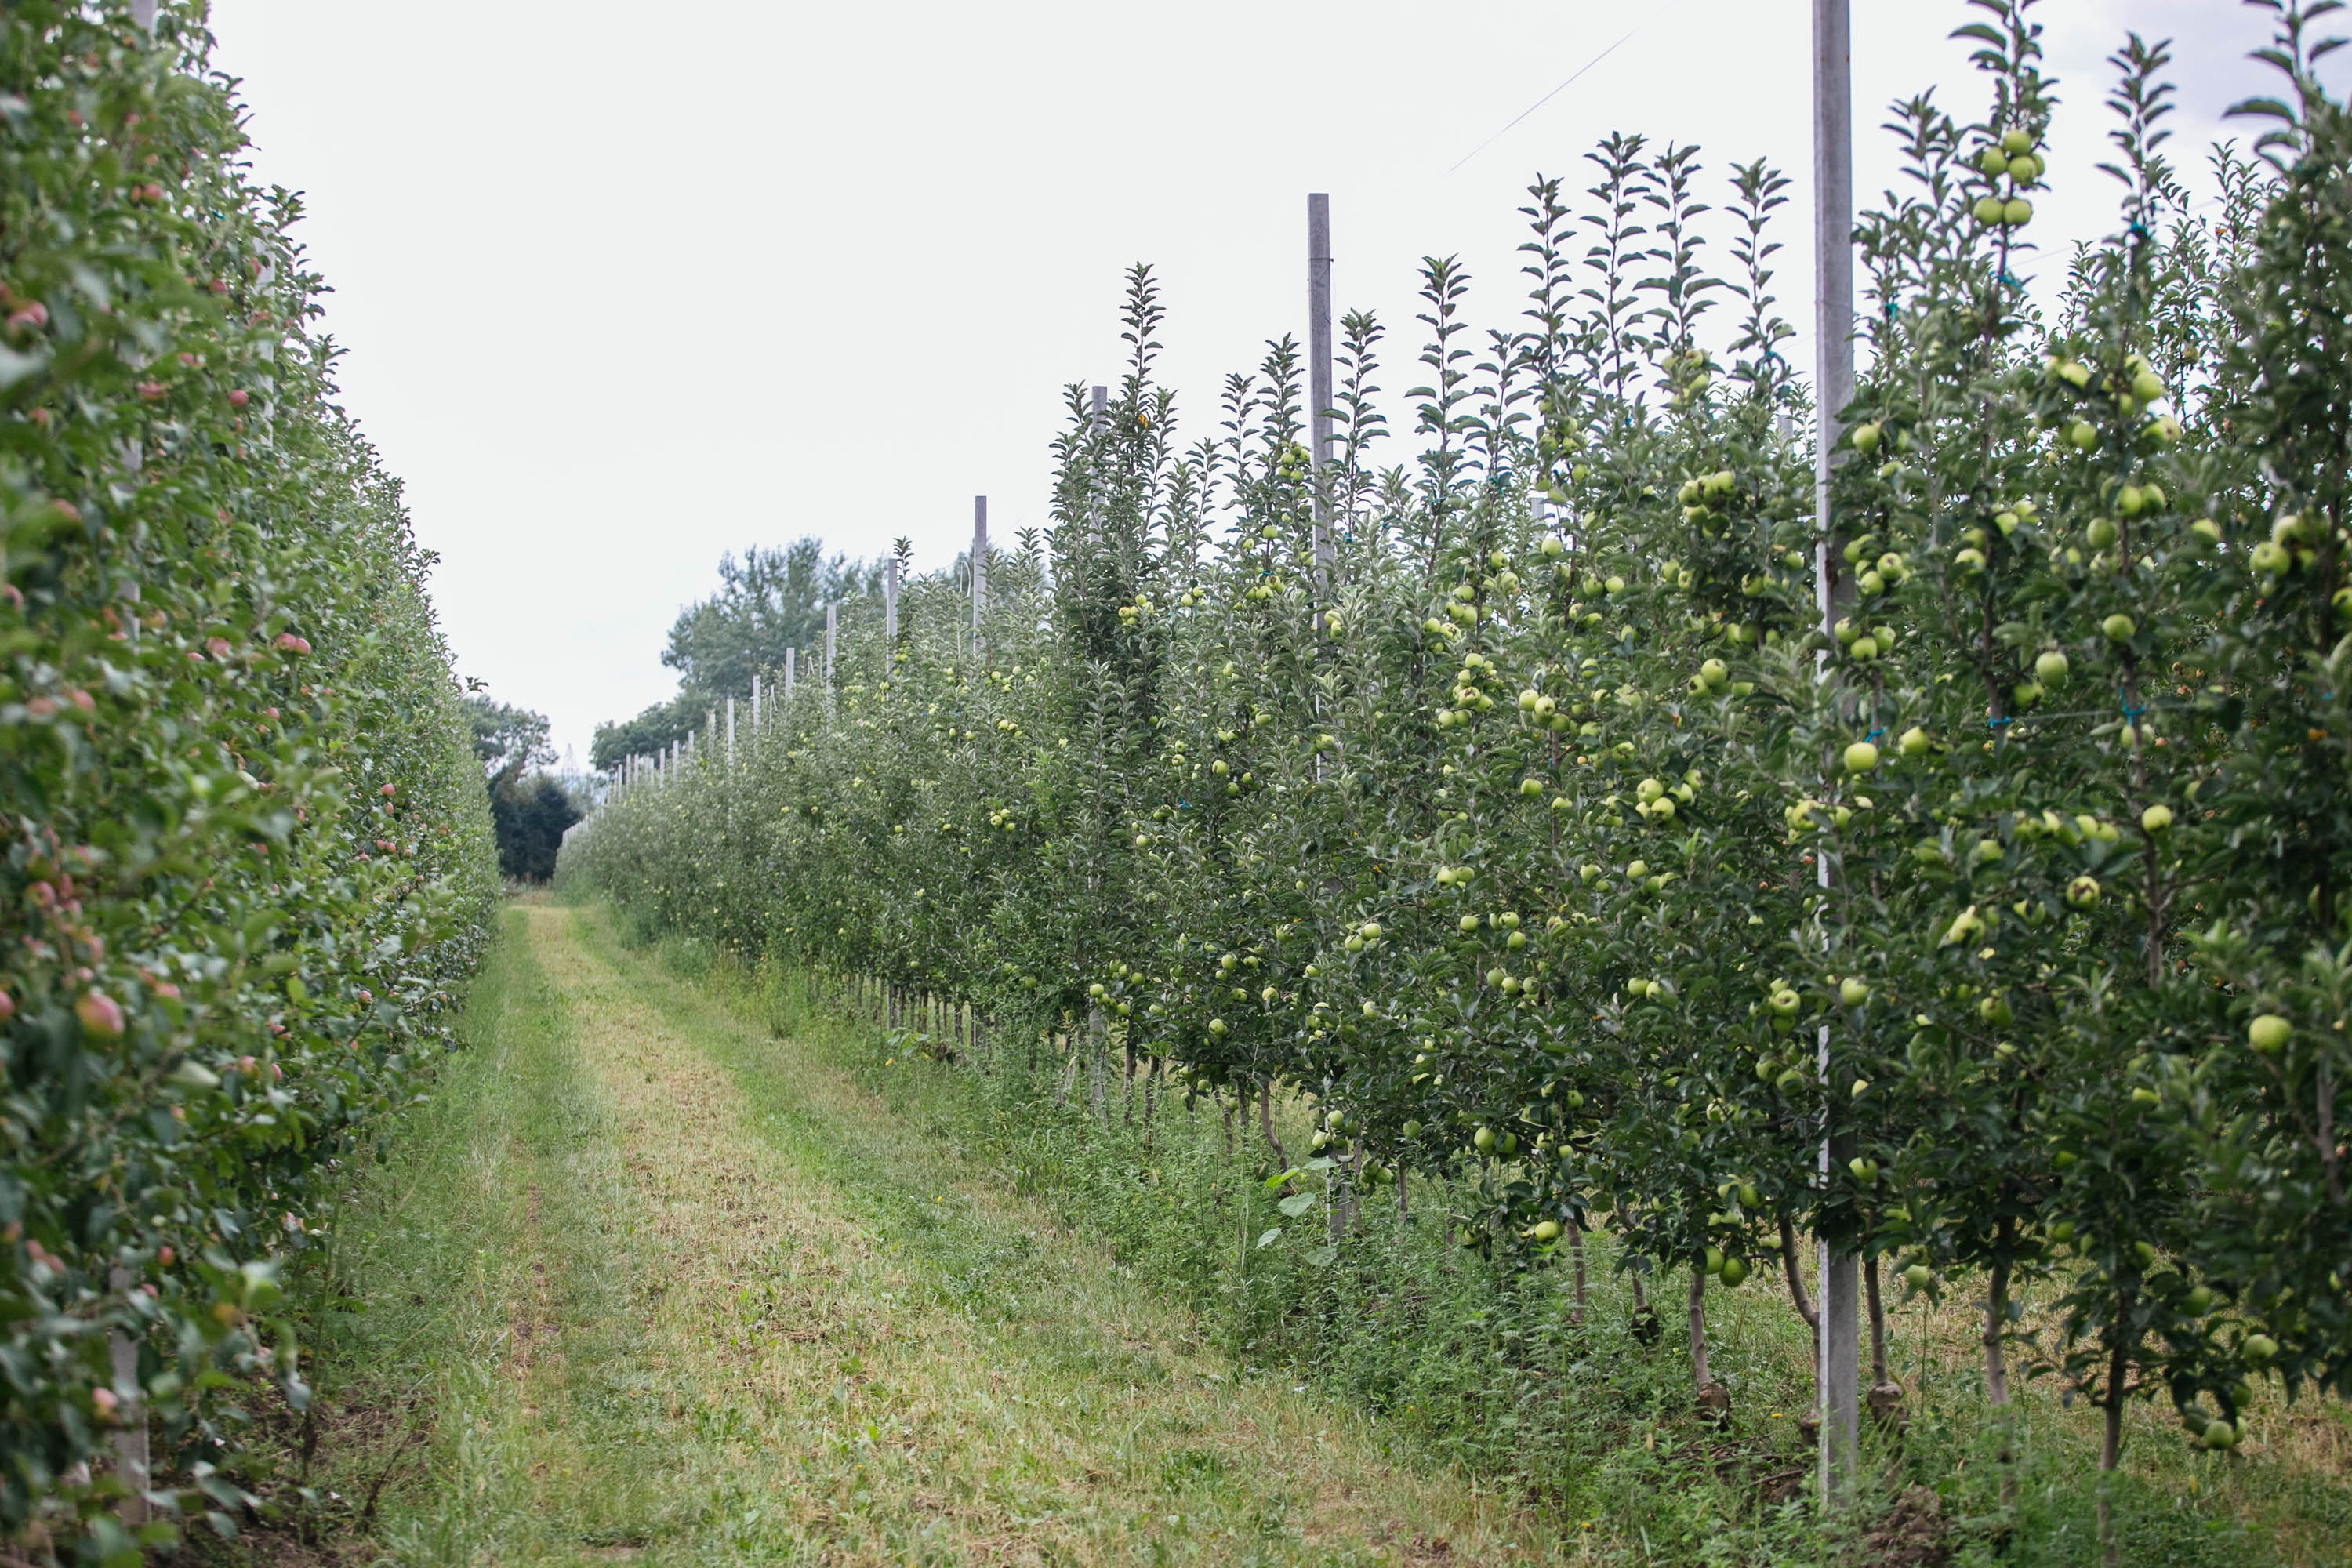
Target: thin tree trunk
{"points": [[2111, 1447], [1096, 1047], [1576, 1258], [1265, 1123], [1697, 1306], [1229, 1128], [1877, 1322], [1796, 1275], [1714, 1398], [1996, 1321]]}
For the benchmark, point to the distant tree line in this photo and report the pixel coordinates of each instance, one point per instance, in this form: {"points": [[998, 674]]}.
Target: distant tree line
{"points": [[529, 809], [770, 599]]}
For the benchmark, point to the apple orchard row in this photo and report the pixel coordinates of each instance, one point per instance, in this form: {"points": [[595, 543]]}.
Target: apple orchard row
{"points": [[1544, 829], [248, 852]]}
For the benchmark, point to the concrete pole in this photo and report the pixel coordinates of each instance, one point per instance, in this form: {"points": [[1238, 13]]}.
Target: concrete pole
{"points": [[755, 702], [131, 1449], [790, 655], [730, 730], [978, 567], [1319, 379], [1839, 1376], [890, 612], [832, 636]]}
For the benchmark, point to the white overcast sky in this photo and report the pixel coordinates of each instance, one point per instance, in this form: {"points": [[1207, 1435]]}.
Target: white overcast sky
{"points": [[622, 288]]}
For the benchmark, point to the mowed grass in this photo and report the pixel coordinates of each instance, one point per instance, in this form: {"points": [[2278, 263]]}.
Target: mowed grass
{"points": [[647, 1284]]}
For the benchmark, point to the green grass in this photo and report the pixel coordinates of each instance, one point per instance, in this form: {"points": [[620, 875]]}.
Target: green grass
{"points": [[677, 1268], [648, 1282], [1486, 1377]]}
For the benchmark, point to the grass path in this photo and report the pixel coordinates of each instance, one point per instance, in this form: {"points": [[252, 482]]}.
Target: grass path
{"points": [[720, 1306]]}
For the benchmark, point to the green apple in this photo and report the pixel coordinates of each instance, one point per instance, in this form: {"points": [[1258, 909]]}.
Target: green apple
{"points": [[1865, 438], [1853, 992], [1861, 757], [2118, 628], [1918, 1277], [2156, 819], [2269, 1033], [2016, 213], [1734, 1273], [2051, 668], [2082, 435], [1547, 1230], [2260, 1349], [1483, 1140], [1914, 743]]}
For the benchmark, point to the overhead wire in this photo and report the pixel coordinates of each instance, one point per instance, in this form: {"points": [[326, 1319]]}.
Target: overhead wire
{"points": [[1555, 92]]}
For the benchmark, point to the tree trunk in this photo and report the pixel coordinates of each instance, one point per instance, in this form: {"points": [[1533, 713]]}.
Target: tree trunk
{"points": [[1266, 1124], [1576, 1258], [1996, 1323], [1714, 1399], [1877, 1322], [2111, 1445], [1796, 1275], [1697, 1305], [1095, 1049], [1885, 1397]]}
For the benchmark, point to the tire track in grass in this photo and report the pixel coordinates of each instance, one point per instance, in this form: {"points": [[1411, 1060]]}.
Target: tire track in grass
{"points": [[841, 1348]]}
